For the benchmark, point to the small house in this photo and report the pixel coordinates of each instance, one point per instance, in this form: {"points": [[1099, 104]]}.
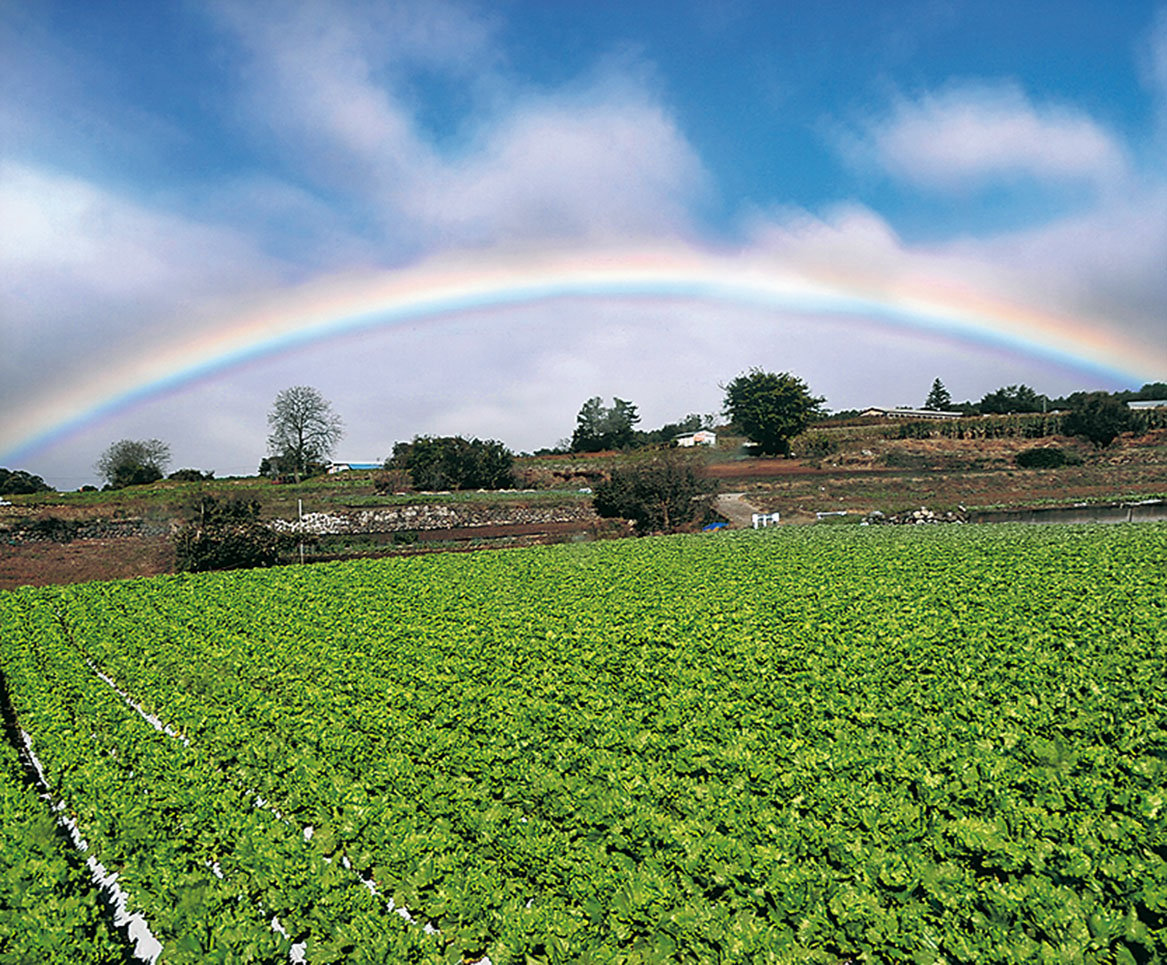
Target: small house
{"points": [[702, 437], [876, 412], [354, 466]]}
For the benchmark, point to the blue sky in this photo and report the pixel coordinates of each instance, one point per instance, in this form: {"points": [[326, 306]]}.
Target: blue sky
{"points": [[163, 165]]}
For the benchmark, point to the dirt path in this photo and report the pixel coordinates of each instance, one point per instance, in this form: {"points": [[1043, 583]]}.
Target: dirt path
{"points": [[733, 506]]}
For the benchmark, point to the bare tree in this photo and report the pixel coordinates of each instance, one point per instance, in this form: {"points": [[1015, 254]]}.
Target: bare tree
{"points": [[131, 462], [304, 429]]}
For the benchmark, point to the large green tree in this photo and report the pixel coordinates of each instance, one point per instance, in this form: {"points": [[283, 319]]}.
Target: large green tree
{"points": [[771, 408], [1012, 398], [1099, 417], [599, 427], [451, 462], [304, 429], [133, 462]]}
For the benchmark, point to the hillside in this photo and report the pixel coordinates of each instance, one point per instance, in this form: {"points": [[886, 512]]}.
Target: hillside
{"points": [[70, 537]]}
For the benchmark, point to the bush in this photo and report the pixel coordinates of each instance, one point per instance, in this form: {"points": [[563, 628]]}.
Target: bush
{"points": [[17, 482], [191, 475], [124, 476], [1043, 457], [133, 462], [281, 469], [227, 536], [664, 495], [814, 445]]}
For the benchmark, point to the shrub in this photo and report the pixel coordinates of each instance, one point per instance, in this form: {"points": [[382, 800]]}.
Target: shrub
{"points": [[1043, 457], [227, 536], [915, 429], [814, 445], [124, 476], [17, 482], [191, 475], [664, 495], [282, 469], [133, 462]]}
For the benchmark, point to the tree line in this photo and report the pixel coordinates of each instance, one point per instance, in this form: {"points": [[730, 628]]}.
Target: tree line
{"points": [[1021, 399], [660, 493]]}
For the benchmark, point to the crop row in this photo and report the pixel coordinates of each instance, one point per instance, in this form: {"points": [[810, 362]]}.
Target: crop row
{"points": [[49, 909], [787, 746], [208, 868]]}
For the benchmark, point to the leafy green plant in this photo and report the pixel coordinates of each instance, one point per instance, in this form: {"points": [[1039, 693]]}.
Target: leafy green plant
{"points": [[804, 744]]}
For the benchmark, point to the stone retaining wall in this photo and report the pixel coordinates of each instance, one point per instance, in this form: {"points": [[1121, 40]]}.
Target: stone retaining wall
{"points": [[53, 530], [1143, 512], [396, 519], [912, 517]]}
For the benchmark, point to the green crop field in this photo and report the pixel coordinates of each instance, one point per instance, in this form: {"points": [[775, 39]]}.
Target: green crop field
{"points": [[917, 744]]}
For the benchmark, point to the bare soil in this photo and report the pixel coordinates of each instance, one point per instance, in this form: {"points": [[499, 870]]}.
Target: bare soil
{"points": [[894, 475], [45, 563]]}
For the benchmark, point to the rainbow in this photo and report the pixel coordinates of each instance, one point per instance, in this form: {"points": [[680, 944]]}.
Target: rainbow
{"points": [[438, 290]]}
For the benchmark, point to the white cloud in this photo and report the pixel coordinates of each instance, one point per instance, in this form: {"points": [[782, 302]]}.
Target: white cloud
{"points": [[86, 273], [602, 158], [968, 136], [1102, 268], [109, 244], [1105, 264], [612, 167], [334, 95]]}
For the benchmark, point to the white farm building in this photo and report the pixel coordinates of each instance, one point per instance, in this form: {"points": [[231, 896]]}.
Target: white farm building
{"points": [[702, 437]]}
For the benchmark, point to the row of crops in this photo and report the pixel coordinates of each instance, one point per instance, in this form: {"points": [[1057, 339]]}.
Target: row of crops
{"points": [[904, 744]]}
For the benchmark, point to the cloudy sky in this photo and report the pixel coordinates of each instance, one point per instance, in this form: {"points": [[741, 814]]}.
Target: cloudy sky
{"points": [[171, 171]]}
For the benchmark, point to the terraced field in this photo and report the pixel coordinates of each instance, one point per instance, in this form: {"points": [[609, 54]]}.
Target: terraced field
{"points": [[932, 744]]}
